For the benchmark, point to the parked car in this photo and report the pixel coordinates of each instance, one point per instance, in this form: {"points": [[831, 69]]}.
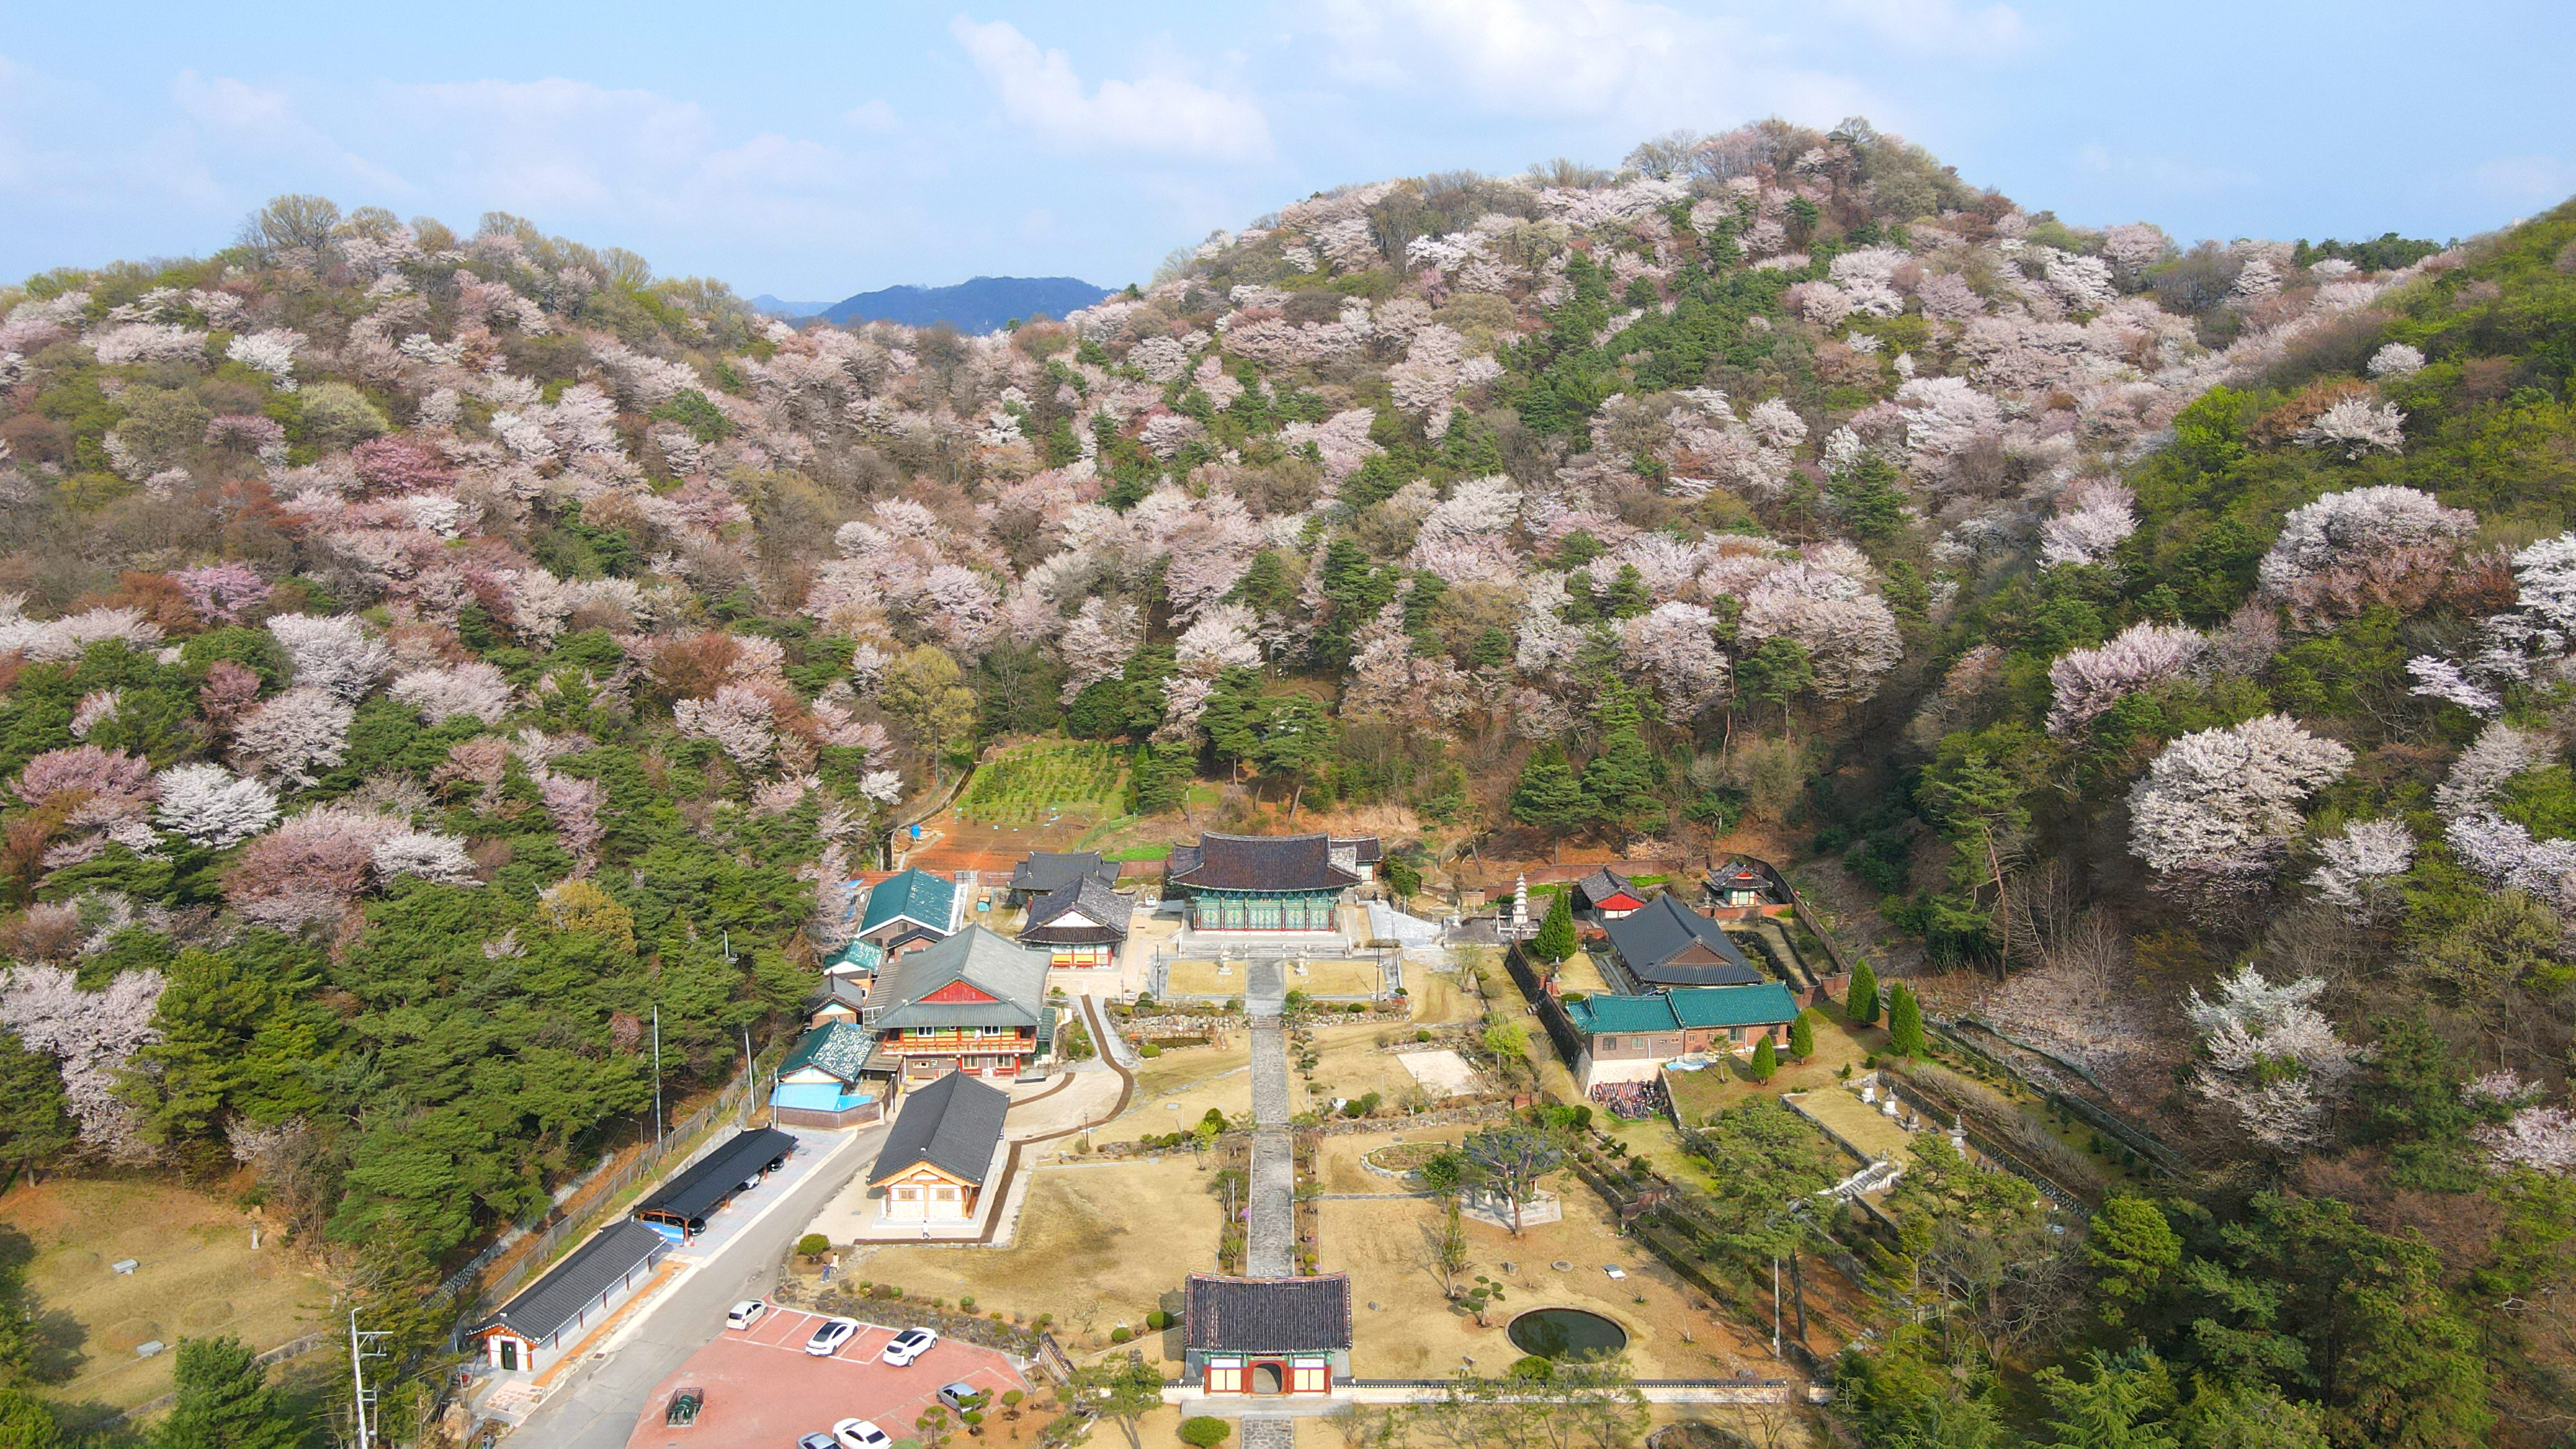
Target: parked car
{"points": [[859, 1434], [816, 1441], [908, 1345], [960, 1396], [746, 1313], [829, 1337]]}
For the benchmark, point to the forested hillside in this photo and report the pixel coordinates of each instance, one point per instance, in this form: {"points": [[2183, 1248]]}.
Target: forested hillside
{"points": [[423, 656]]}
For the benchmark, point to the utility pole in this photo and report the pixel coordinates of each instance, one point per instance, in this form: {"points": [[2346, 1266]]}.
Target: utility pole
{"points": [[1775, 1306], [657, 1074], [365, 1398]]}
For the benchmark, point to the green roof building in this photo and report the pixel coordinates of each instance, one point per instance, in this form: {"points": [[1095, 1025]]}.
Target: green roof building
{"points": [[1630, 1038]]}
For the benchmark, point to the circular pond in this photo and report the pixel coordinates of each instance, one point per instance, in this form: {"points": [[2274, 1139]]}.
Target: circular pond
{"points": [[1566, 1333]]}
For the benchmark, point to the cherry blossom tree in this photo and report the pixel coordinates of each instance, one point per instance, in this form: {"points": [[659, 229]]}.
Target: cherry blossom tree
{"points": [[2349, 551], [2504, 853], [1673, 651], [738, 718], [1097, 643], [212, 807], [92, 1035], [2216, 807], [271, 351], [1221, 639], [573, 804], [476, 689], [295, 736], [2093, 519], [2540, 1138], [222, 593], [336, 653], [82, 770], [2083, 683], [2271, 1058], [2357, 427], [426, 854], [1849, 633], [2396, 359], [2499, 753], [2358, 871], [310, 868]]}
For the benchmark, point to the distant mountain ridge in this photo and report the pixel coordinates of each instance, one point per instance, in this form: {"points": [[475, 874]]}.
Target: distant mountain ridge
{"points": [[977, 305]]}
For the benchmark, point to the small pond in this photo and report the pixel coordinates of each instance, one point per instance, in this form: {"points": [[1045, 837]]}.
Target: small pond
{"points": [[1566, 1333]]}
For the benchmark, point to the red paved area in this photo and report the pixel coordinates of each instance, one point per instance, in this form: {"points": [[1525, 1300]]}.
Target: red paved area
{"points": [[763, 1390]]}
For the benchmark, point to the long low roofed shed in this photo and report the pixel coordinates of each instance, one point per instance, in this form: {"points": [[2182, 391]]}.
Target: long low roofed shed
{"points": [[570, 1293], [682, 1206]]}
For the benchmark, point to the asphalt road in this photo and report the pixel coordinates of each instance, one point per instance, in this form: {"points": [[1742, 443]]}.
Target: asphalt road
{"points": [[598, 1409]]}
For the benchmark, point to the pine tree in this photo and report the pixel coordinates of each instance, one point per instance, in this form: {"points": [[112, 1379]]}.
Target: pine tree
{"points": [[1802, 1037], [27, 1422], [1904, 1022], [1555, 939], [1622, 775], [1549, 797], [1766, 1060], [224, 1401], [1860, 999]]}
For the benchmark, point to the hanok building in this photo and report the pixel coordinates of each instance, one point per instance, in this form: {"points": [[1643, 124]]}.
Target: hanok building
{"points": [[1268, 882], [680, 1208], [946, 1142], [1046, 871], [974, 1003], [1747, 887], [908, 910], [859, 959], [1080, 924], [1630, 1038], [1267, 1335], [821, 1083], [1606, 895], [1665, 944], [843, 998], [549, 1315]]}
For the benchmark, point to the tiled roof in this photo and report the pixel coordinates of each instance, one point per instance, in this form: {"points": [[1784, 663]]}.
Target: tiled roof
{"points": [[1105, 908], [1259, 863], [952, 1124], [1268, 1315], [1014, 977], [1765, 1004], [856, 958], [1649, 939], [1604, 883], [836, 1047], [914, 895], [1047, 870], [544, 1307], [714, 1177]]}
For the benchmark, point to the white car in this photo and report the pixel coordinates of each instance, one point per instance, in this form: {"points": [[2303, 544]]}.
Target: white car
{"points": [[746, 1313], [829, 1337], [859, 1434], [908, 1345]]}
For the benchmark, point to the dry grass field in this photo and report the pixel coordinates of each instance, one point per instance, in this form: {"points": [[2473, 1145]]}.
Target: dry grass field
{"points": [[198, 1276], [1098, 1246], [1404, 1328]]}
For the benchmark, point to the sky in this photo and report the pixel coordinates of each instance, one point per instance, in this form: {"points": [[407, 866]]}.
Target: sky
{"points": [[811, 152]]}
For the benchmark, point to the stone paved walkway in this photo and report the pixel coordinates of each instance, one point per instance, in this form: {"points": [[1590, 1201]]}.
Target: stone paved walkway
{"points": [[1269, 1433], [1271, 1233]]}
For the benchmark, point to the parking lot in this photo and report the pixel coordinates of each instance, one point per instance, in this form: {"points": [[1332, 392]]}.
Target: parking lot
{"points": [[763, 1390]]}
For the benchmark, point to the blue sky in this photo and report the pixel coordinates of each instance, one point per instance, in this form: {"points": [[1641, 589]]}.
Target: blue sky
{"points": [[815, 151]]}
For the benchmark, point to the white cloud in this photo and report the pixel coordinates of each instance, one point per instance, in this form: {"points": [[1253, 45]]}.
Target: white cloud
{"points": [[233, 104], [875, 117], [1641, 64], [2521, 180], [1159, 112], [1939, 26]]}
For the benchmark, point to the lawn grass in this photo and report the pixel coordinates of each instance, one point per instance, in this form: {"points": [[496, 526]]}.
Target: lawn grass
{"points": [[1044, 780]]}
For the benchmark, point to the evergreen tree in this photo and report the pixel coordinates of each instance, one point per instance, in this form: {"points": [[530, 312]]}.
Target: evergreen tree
{"points": [[1622, 775], [1802, 1037], [224, 1401], [1232, 718], [35, 1121], [1549, 797], [1159, 780], [27, 1422], [1555, 938], [1766, 1060], [1860, 999], [1296, 743], [1904, 1022]]}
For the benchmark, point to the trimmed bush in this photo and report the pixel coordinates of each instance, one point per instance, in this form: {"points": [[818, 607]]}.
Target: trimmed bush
{"points": [[813, 1245], [1158, 1320], [1204, 1432]]}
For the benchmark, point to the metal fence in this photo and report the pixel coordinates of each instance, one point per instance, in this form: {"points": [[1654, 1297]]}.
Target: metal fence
{"points": [[693, 1137]]}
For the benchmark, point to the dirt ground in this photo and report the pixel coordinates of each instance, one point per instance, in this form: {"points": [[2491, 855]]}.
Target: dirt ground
{"points": [[1318, 978], [1099, 1246], [1174, 1090], [1404, 1328], [1860, 1124], [198, 1277]]}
